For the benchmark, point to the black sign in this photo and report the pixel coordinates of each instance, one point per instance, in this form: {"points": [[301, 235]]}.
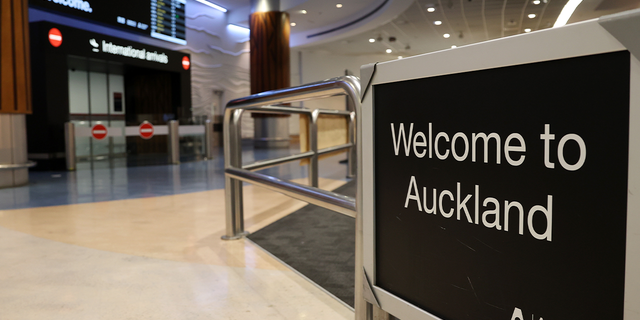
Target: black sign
{"points": [[161, 19], [502, 193], [94, 45]]}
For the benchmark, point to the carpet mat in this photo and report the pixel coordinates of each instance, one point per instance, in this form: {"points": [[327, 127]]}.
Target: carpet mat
{"points": [[318, 243]]}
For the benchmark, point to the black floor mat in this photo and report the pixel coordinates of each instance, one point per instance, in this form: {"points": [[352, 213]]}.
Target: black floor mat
{"points": [[318, 243]]}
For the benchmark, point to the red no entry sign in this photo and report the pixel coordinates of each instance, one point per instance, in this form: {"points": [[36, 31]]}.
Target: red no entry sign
{"points": [[186, 63], [99, 132], [146, 130], [55, 37]]}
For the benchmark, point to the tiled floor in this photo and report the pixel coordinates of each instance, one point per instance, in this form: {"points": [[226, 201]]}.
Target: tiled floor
{"points": [[144, 243]]}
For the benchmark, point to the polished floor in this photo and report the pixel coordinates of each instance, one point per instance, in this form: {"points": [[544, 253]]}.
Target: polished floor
{"points": [[112, 242]]}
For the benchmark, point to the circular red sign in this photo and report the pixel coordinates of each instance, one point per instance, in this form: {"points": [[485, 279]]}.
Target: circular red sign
{"points": [[55, 37], [146, 130], [186, 63], [99, 132]]}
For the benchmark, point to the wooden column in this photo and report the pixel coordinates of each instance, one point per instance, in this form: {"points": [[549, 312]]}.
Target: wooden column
{"points": [[270, 71], [15, 73], [269, 51]]}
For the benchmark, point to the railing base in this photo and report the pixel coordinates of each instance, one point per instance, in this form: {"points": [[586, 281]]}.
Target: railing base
{"points": [[236, 237]]}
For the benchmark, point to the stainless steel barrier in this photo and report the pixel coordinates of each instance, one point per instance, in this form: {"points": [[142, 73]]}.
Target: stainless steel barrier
{"points": [[236, 172], [172, 130], [173, 142], [208, 139]]}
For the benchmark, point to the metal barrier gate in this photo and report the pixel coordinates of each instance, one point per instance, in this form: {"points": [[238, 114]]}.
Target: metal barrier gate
{"points": [[146, 131], [236, 173]]}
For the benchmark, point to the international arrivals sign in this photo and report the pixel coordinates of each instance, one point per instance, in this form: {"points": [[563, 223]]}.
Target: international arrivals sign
{"points": [[502, 190], [129, 51]]}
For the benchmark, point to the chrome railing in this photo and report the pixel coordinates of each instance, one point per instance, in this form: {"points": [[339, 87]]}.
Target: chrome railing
{"points": [[236, 172]]}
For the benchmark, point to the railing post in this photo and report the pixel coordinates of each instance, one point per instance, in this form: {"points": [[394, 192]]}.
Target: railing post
{"points": [[208, 139], [351, 154], [70, 145], [174, 142], [233, 187], [313, 146]]}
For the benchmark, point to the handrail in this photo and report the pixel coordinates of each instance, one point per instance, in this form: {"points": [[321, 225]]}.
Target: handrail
{"points": [[326, 199], [236, 172]]}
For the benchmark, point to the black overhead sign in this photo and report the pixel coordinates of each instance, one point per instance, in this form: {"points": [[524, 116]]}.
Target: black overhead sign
{"points": [[94, 45], [502, 193], [160, 19]]}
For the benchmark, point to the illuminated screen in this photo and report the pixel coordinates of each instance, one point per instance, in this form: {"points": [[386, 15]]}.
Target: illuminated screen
{"points": [[160, 19]]}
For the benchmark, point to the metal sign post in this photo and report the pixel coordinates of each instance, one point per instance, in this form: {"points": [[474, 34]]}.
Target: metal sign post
{"points": [[501, 180]]}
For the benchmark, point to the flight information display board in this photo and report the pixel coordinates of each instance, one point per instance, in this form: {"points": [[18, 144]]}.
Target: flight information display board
{"points": [[160, 19]]}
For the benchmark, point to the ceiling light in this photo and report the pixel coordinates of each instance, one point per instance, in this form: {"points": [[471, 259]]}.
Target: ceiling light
{"points": [[536, 2], [399, 57], [431, 9], [389, 50], [437, 22], [531, 15], [212, 5], [303, 11], [566, 13], [446, 35], [453, 46], [293, 24], [372, 40], [339, 5], [527, 30]]}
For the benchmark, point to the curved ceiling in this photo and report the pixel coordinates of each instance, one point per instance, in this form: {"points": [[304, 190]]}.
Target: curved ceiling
{"points": [[410, 27]]}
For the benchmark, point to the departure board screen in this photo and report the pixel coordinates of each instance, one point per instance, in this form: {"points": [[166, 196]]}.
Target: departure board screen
{"points": [[167, 19], [160, 19]]}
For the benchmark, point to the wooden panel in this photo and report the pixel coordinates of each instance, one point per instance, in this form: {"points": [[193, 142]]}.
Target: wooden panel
{"points": [[15, 86], [332, 131], [269, 52]]}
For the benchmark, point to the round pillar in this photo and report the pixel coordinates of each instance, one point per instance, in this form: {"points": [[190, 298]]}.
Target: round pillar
{"points": [[270, 68], [15, 92]]}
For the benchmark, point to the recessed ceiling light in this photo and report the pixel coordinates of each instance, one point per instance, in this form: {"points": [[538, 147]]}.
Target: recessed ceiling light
{"points": [[293, 24], [389, 50], [303, 11], [399, 57], [372, 40], [437, 22], [531, 15], [339, 5], [527, 30], [454, 46], [536, 2], [431, 9], [446, 35]]}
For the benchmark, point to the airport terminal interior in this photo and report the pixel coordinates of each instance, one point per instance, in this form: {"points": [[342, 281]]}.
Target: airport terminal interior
{"points": [[113, 140]]}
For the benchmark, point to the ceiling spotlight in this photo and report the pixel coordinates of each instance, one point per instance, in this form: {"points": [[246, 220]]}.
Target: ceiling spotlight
{"points": [[453, 46], [531, 15], [389, 50], [303, 11], [399, 57], [446, 35], [293, 24], [372, 40], [527, 30], [437, 22], [339, 5], [431, 9], [536, 2]]}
